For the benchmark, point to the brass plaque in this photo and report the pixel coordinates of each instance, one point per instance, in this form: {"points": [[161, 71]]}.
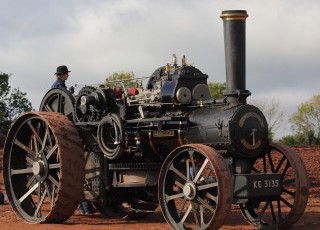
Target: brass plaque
{"points": [[163, 133]]}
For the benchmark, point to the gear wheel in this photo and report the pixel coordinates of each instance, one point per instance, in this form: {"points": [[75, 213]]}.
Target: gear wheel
{"points": [[82, 113]]}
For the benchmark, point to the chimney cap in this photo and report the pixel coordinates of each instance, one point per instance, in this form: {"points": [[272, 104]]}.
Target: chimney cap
{"points": [[234, 15]]}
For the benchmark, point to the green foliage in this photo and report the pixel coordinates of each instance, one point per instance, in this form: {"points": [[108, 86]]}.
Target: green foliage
{"points": [[292, 140], [305, 124], [306, 121], [217, 89], [4, 90], [12, 103], [300, 139], [18, 103], [125, 78], [121, 76]]}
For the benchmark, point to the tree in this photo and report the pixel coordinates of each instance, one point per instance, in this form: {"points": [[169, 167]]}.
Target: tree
{"points": [[127, 78], [272, 112], [12, 103], [306, 121], [4, 91], [217, 89], [17, 104]]}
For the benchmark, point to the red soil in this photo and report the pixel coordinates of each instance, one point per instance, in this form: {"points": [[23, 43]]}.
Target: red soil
{"points": [[310, 219]]}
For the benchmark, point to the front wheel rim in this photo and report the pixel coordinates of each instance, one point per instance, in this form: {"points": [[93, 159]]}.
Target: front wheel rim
{"points": [[195, 188]]}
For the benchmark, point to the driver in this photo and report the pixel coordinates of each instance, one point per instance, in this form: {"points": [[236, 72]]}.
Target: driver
{"points": [[62, 74]]}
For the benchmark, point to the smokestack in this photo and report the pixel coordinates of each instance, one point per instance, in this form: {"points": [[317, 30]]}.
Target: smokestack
{"points": [[234, 25]]}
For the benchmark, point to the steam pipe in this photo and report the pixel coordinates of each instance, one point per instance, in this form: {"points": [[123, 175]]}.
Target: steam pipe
{"points": [[235, 55]]}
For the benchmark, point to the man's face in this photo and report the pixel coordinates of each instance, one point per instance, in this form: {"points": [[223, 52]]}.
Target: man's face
{"points": [[64, 76]]}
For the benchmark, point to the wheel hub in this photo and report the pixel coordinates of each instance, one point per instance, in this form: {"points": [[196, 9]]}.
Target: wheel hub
{"points": [[190, 190], [38, 168]]}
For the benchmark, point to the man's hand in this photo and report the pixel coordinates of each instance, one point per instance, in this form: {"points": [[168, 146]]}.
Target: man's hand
{"points": [[71, 89]]}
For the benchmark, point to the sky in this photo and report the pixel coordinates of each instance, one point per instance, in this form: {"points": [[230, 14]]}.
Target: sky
{"points": [[96, 38]]}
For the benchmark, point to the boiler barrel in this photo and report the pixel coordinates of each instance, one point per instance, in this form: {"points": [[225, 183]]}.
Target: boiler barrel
{"points": [[242, 129]]}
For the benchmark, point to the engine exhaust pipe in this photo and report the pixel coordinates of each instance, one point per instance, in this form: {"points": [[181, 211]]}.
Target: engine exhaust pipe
{"points": [[234, 25]]}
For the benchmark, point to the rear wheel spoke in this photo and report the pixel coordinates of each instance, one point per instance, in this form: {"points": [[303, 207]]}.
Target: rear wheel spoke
{"points": [[25, 148], [53, 194], [31, 190], [31, 180], [43, 196], [54, 166], [54, 181], [47, 190], [52, 150], [21, 171], [43, 145], [35, 133]]}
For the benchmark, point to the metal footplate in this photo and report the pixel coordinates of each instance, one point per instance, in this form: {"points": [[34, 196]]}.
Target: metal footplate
{"points": [[260, 186]]}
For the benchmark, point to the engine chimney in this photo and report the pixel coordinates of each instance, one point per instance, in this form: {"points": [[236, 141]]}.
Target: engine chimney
{"points": [[234, 24]]}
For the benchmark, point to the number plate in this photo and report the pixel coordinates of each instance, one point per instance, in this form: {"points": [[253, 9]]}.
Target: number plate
{"points": [[260, 186]]}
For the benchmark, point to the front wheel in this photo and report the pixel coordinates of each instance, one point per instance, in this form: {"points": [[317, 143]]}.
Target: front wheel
{"points": [[195, 188]]}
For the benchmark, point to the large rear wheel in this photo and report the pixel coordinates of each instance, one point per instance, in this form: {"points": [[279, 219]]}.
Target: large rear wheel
{"points": [[43, 167]]}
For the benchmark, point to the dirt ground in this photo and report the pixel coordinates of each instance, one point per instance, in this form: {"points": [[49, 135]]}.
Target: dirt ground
{"points": [[310, 219]]}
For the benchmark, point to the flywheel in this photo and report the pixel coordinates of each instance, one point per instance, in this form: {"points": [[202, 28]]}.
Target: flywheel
{"points": [[58, 100], [43, 167]]}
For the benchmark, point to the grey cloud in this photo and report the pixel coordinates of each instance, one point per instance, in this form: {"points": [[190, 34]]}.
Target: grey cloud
{"points": [[95, 38]]}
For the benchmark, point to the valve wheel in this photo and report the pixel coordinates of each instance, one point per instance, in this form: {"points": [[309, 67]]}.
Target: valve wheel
{"points": [[285, 210], [43, 167], [195, 188]]}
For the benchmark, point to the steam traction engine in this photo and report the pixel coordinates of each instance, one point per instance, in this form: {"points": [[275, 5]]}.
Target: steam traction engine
{"points": [[128, 149]]}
